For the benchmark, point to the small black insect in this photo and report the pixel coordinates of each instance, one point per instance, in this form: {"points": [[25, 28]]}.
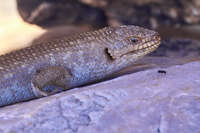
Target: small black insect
{"points": [[158, 130], [134, 40], [162, 71]]}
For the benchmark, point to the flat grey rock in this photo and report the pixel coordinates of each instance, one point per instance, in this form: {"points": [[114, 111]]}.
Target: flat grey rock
{"points": [[142, 102]]}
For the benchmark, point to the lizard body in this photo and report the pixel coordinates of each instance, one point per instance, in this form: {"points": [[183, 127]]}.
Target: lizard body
{"points": [[71, 62]]}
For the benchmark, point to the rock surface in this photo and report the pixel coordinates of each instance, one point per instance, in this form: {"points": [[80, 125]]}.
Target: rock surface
{"points": [[150, 101], [148, 13], [51, 13]]}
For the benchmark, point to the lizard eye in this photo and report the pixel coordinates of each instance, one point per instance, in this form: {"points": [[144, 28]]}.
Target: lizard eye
{"points": [[134, 40]]}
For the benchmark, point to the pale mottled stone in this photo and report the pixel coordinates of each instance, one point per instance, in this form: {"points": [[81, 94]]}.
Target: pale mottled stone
{"points": [[142, 102]]}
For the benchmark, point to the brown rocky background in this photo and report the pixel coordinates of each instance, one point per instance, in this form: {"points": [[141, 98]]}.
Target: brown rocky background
{"points": [[146, 13]]}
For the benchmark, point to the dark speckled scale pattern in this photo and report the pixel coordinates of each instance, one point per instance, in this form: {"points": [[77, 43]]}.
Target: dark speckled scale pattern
{"points": [[89, 57]]}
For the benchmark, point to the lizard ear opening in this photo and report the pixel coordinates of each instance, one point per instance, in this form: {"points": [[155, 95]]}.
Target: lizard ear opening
{"points": [[109, 54]]}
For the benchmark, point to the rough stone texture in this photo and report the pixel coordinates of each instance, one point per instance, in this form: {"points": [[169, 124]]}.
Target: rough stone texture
{"points": [[148, 13], [154, 13], [49, 13], [142, 102]]}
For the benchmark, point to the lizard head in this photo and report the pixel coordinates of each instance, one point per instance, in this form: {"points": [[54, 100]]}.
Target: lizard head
{"points": [[131, 40]]}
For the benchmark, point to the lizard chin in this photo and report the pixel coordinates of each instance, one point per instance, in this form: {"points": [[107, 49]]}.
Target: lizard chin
{"points": [[141, 52], [144, 51]]}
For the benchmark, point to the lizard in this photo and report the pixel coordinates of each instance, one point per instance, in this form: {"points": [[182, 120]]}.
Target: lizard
{"points": [[65, 63]]}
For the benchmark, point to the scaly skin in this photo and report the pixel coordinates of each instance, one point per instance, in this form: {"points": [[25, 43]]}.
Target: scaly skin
{"points": [[71, 62]]}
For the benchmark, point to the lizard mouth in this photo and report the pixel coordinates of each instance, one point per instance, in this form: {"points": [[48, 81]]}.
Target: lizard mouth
{"points": [[148, 46]]}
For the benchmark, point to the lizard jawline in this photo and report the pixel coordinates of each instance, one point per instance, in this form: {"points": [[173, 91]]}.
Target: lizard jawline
{"points": [[142, 51]]}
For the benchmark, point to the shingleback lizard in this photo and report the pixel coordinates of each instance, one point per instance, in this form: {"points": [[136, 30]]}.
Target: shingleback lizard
{"points": [[71, 61]]}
